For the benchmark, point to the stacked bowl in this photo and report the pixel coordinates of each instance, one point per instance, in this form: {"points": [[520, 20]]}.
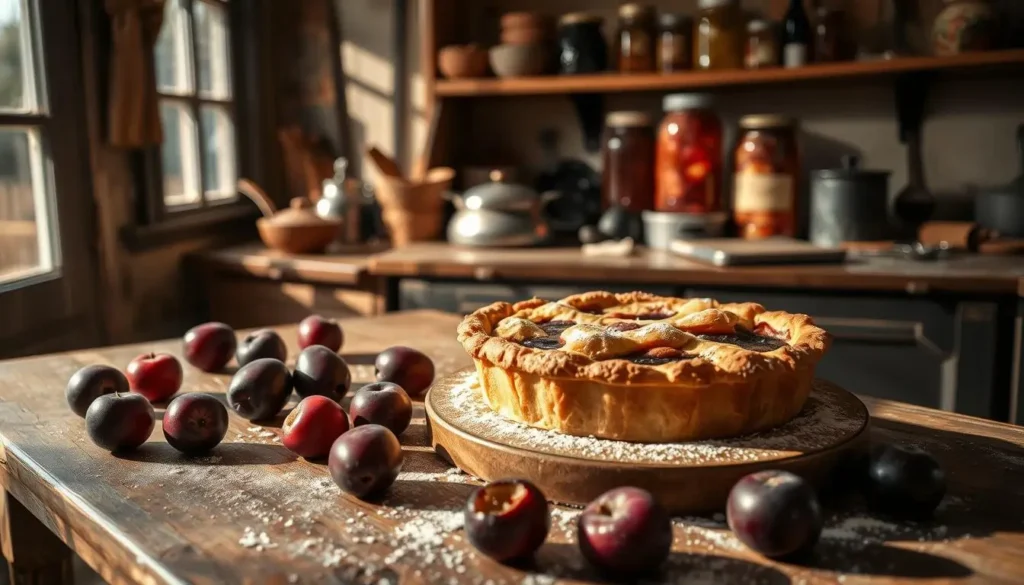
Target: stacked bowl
{"points": [[525, 45]]}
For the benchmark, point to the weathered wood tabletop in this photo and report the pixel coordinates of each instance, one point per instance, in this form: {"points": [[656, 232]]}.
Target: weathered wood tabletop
{"points": [[251, 512]]}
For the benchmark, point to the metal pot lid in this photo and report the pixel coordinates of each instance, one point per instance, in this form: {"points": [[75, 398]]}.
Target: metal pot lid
{"points": [[850, 171], [499, 195]]}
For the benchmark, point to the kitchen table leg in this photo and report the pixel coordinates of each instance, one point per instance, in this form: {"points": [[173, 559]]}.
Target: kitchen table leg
{"points": [[34, 554]]}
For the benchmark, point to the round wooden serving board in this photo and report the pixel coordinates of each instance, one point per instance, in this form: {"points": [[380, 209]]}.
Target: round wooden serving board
{"points": [[686, 477]]}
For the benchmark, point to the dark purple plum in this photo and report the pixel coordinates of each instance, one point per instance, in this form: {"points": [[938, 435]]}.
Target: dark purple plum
{"points": [[265, 343], [507, 519], [209, 346], [409, 368], [776, 513], [365, 460], [120, 422], [321, 372], [903, 482], [381, 403], [195, 422], [260, 389], [625, 530], [91, 382]]}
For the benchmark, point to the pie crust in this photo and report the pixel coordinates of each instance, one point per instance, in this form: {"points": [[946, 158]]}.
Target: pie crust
{"points": [[639, 367]]}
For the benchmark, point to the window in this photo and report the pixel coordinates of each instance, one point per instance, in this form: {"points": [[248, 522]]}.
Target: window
{"points": [[29, 243], [198, 161]]}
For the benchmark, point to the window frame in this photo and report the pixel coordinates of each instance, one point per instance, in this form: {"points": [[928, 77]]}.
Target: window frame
{"points": [[158, 218]]}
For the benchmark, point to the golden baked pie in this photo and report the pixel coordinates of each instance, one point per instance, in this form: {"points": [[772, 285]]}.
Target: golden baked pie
{"points": [[639, 367]]}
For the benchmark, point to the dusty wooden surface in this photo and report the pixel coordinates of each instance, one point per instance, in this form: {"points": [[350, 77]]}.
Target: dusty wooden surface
{"points": [[251, 512]]}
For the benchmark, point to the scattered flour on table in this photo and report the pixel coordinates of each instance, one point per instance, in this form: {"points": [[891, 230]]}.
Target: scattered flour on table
{"points": [[814, 428]]}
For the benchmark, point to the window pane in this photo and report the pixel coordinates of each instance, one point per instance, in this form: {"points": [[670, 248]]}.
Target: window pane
{"points": [[180, 154], [174, 51], [15, 58], [211, 23], [219, 173], [27, 238]]}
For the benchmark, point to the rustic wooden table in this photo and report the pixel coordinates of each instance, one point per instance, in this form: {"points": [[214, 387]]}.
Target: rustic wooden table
{"points": [[250, 512]]}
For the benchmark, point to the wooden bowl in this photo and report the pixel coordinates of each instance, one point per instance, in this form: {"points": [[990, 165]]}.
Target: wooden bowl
{"points": [[523, 36], [462, 61], [297, 239], [518, 60]]}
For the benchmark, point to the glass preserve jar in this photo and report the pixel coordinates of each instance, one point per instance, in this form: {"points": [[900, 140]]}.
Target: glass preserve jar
{"points": [[581, 44], [762, 45], [718, 35], [675, 43], [635, 41], [688, 162], [767, 171], [627, 159]]}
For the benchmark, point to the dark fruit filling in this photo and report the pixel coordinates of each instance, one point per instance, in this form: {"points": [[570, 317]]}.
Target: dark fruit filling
{"points": [[623, 326], [652, 316], [746, 339], [644, 359], [544, 343], [555, 328]]}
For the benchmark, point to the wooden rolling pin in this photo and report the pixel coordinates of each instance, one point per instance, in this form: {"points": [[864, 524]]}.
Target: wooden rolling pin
{"points": [[964, 235]]}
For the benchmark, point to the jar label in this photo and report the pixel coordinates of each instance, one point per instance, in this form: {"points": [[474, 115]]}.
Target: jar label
{"points": [[756, 192], [794, 55]]}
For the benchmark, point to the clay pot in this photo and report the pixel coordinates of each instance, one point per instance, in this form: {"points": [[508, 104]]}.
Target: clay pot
{"points": [[296, 230], [462, 61], [523, 36]]}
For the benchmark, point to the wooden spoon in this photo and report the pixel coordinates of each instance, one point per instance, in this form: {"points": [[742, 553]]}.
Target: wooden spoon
{"points": [[385, 164], [258, 196]]}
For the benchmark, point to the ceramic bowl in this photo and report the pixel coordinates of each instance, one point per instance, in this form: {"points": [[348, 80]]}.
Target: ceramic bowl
{"points": [[462, 61], [518, 60]]}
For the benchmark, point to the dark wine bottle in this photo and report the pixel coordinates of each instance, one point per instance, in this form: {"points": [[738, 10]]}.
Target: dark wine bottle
{"points": [[796, 36]]}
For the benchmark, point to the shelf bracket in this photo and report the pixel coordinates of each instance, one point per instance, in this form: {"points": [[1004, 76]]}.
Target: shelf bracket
{"points": [[590, 113]]}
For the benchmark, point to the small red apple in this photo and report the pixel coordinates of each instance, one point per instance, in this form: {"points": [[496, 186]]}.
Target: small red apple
{"points": [[157, 376], [317, 330], [313, 425]]}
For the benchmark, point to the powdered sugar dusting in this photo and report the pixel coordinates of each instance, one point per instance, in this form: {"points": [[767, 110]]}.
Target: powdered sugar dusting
{"points": [[822, 420]]}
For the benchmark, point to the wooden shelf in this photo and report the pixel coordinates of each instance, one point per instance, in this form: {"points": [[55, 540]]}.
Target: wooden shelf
{"points": [[614, 82]]}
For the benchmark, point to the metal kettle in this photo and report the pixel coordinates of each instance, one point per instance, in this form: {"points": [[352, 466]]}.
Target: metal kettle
{"points": [[340, 199], [498, 214]]}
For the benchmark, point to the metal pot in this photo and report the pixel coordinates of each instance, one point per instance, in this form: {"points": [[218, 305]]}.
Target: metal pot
{"points": [[1002, 210], [849, 204], [499, 214]]}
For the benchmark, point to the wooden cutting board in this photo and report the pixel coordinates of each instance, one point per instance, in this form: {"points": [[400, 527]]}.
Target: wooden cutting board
{"points": [[686, 477]]}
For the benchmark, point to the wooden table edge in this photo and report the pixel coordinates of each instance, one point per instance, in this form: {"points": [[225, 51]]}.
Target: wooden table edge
{"points": [[37, 490]]}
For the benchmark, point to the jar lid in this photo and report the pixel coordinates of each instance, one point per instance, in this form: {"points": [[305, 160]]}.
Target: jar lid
{"points": [[763, 121], [634, 10], [627, 119], [850, 170], [685, 101], [758, 25], [580, 18], [708, 4]]}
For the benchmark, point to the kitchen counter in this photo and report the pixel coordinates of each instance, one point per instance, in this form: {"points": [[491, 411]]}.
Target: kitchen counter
{"points": [[252, 512], [997, 275]]}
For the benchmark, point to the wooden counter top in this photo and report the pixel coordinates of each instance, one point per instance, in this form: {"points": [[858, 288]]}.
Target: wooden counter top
{"points": [[342, 266], [997, 275], [251, 512], [974, 274]]}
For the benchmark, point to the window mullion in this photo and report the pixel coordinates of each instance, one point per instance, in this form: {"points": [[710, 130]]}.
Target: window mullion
{"points": [[194, 101]]}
